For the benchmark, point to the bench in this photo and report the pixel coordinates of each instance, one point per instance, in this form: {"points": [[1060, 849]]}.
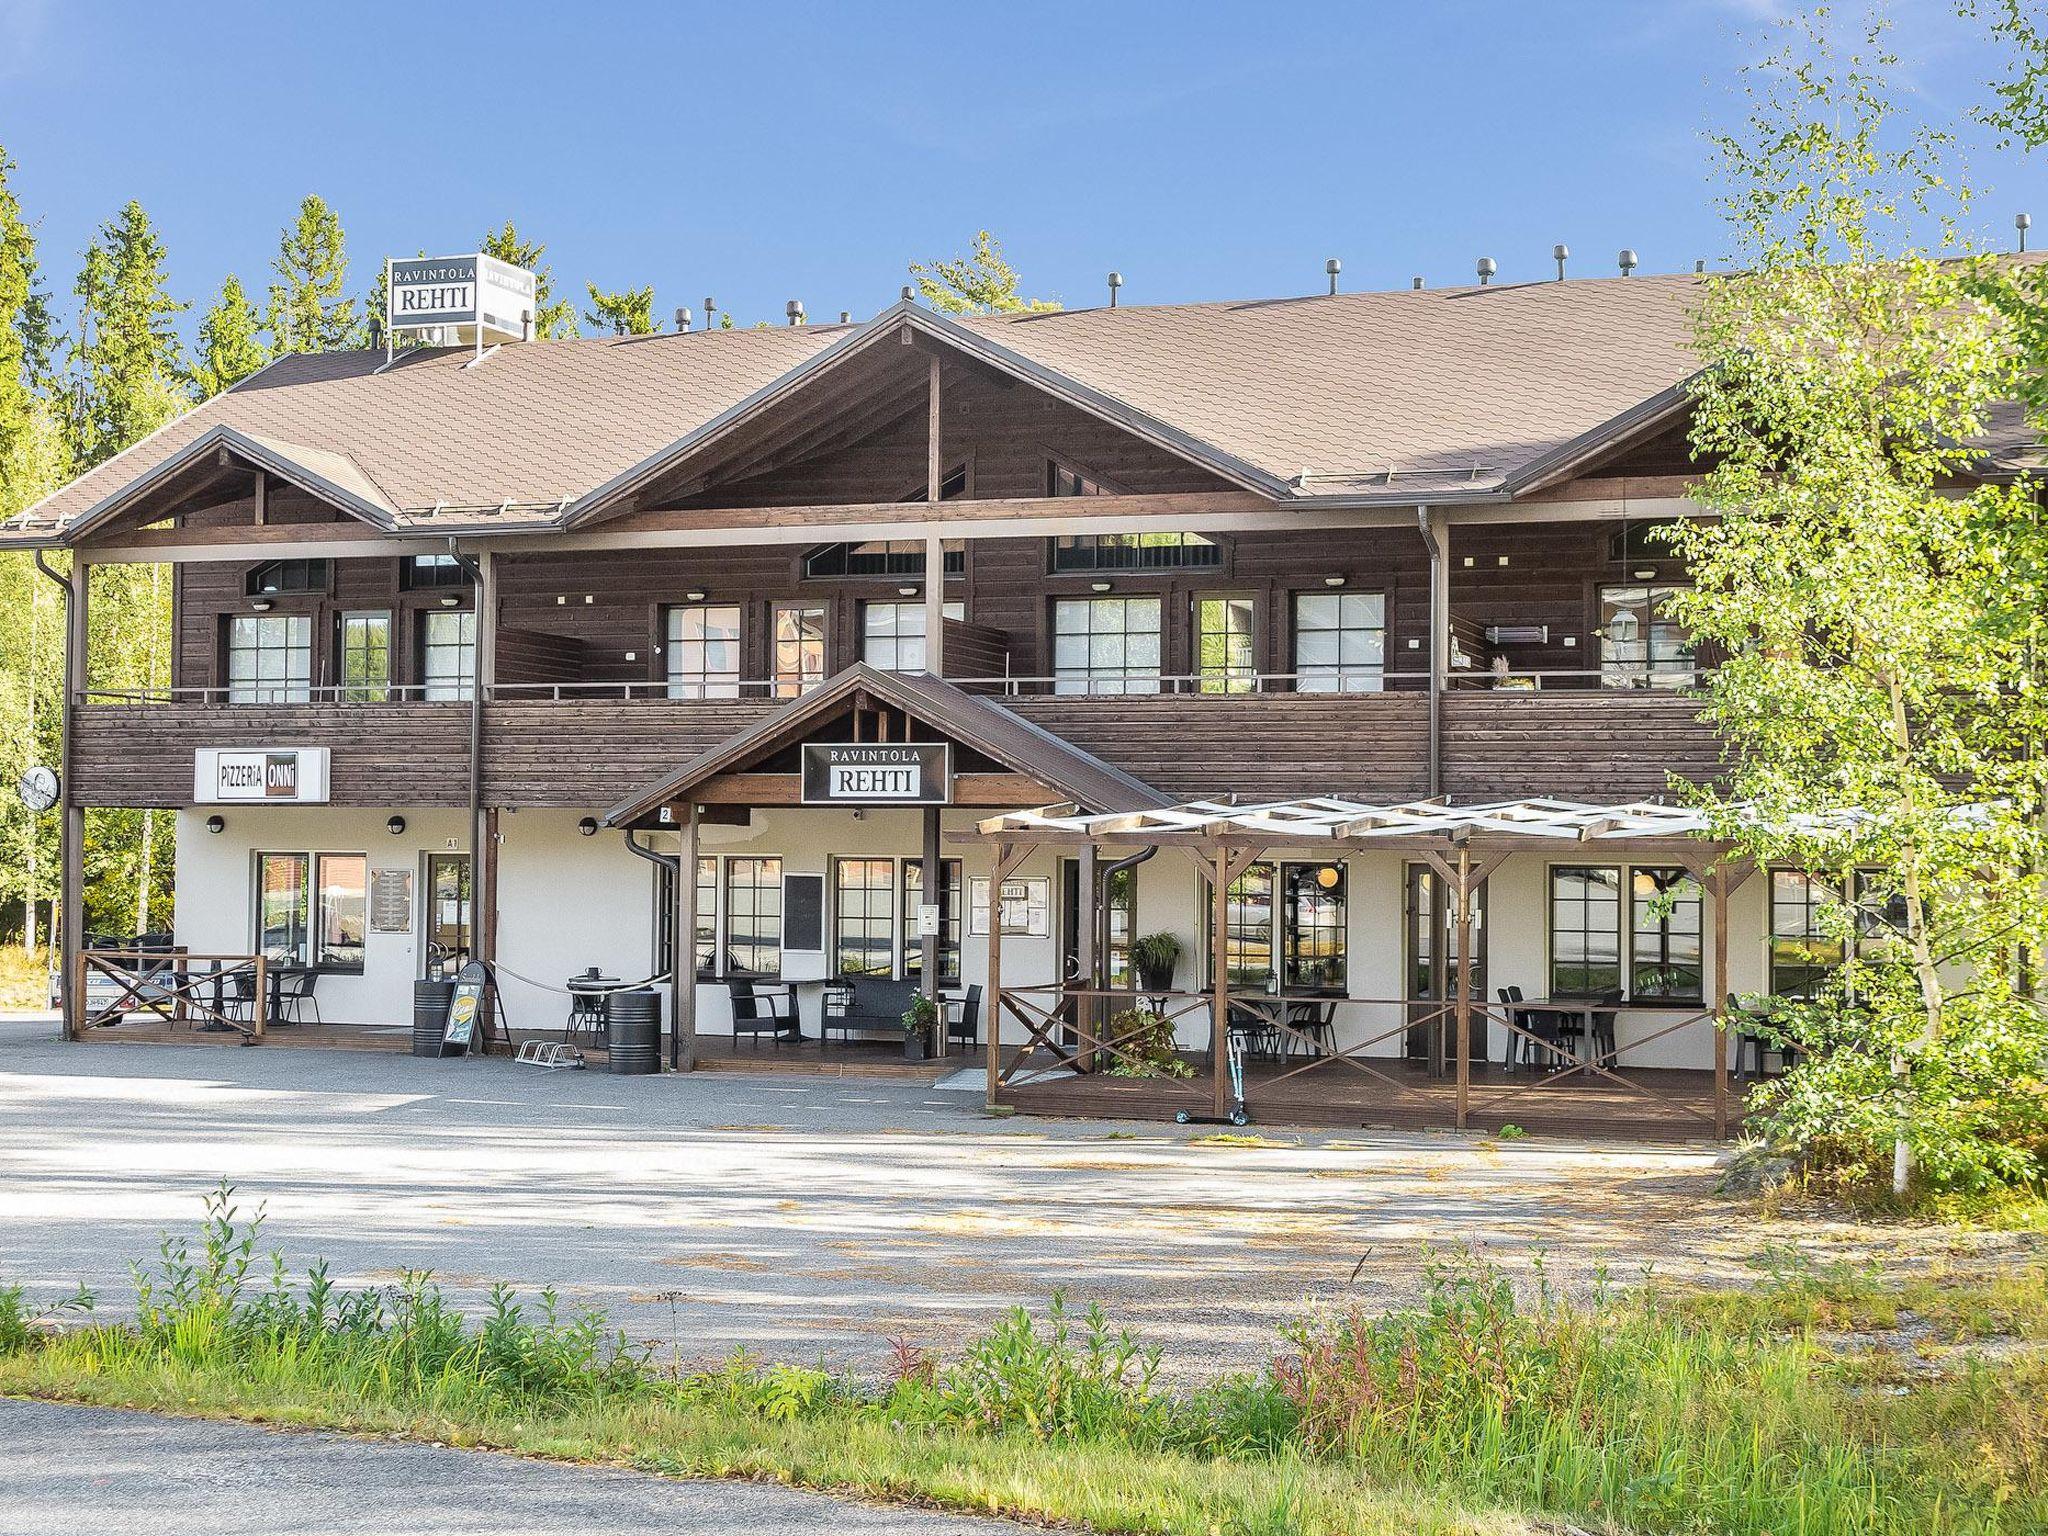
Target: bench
{"points": [[866, 1005]]}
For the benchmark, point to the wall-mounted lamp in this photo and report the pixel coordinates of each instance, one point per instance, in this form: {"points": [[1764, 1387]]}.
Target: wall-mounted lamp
{"points": [[263, 605], [695, 594], [906, 591], [1647, 573], [590, 597], [587, 826], [216, 824], [1098, 586], [450, 600], [632, 655], [1333, 581], [395, 826]]}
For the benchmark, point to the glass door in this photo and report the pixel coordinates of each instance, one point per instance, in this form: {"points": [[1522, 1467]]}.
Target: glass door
{"points": [[1432, 949], [447, 915]]}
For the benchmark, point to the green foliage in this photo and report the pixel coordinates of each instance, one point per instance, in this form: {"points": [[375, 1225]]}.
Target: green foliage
{"points": [[553, 318], [1881, 623], [230, 340], [309, 309], [979, 283], [921, 1017], [131, 366], [628, 312], [1145, 1045], [1153, 957]]}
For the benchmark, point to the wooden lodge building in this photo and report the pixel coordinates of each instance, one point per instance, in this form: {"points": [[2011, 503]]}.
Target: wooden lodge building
{"points": [[475, 646]]}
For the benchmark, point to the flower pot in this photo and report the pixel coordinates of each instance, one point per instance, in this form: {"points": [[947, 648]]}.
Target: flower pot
{"points": [[915, 1046], [1155, 980]]}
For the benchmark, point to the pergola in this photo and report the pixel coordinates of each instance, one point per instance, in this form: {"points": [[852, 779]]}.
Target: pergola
{"points": [[1463, 844]]}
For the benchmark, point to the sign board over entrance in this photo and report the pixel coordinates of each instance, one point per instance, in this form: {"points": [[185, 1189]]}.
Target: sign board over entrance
{"points": [[466, 294], [879, 773], [259, 775]]}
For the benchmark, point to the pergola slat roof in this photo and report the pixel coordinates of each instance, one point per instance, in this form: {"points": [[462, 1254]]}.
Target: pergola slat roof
{"points": [[1330, 819]]}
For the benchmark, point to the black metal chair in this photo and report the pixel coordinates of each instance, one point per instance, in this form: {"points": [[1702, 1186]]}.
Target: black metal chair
{"points": [[1546, 1026], [295, 996], [963, 1017], [1314, 1026], [589, 1010], [1750, 1041], [1604, 1048], [759, 1009], [239, 1003]]}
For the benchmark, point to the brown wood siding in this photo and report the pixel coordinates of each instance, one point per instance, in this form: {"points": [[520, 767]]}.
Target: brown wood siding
{"points": [[1604, 748], [135, 755], [595, 753]]}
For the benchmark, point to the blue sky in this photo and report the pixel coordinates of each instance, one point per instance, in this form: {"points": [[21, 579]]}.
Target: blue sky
{"points": [[765, 151]]}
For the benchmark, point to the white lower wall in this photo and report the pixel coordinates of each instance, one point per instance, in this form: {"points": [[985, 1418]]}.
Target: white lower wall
{"points": [[567, 902]]}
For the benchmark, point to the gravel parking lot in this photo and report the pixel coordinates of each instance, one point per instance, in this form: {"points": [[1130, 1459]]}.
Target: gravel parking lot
{"points": [[801, 1217]]}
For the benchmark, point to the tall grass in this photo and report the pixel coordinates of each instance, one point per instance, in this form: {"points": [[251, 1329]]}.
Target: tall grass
{"points": [[1642, 1412]]}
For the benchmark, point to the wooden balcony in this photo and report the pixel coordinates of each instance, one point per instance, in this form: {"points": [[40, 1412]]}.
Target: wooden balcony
{"points": [[589, 748]]}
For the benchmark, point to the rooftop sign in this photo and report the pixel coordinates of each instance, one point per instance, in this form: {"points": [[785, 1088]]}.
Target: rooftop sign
{"points": [[479, 298]]}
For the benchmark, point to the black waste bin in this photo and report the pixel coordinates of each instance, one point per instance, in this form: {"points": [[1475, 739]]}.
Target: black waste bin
{"points": [[634, 1033], [430, 1015]]}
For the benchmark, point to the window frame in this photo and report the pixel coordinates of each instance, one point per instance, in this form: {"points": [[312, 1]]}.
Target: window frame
{"points": [[952, 920], [315, 577], [794, 685], [1585, 961], [1338, 676], [954, 609], [322, 907], [459, 685], [410, 578], [378, 691], [702, 683], [301, 952], [1647, 672], [871, 923], [1629, 952], [731, 908], [1091, 681], [1230, 677], [296, 686]]}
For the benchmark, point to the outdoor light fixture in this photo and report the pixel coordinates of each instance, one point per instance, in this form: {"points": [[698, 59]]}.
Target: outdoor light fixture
{"points": [[1333, 581], [262, 605], [587, 826], [1098, 586], [906, 591], [695, 594], [1648, 574], [1327, 877], [395, 826], [216, 824], [450, 600]]}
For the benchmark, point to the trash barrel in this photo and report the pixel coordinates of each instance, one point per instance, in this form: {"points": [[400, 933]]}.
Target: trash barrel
{"points": [[634, 1033], [430, 1015]]}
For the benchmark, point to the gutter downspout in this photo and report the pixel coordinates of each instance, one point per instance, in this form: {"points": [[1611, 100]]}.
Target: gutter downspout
{"points": [[69, 939], [1430, 524], [480, 899], [673, 863], [1100, 908]]}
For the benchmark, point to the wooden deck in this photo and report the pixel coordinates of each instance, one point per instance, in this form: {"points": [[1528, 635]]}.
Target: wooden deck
{"points": [[1334, 1095]]}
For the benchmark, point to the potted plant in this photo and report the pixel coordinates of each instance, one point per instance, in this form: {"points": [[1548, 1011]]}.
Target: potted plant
{"points": [[919, 1020], [1146, 1046], [1153, 956]]}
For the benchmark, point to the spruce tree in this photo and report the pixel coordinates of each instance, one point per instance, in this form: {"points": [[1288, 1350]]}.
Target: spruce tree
{"points": [[131, 367], [230, 348], [552, 318], [310, 310], [629, 312]]}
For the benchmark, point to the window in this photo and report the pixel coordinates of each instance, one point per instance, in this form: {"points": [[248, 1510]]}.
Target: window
{"points": [[281, 893], [1062, 481], [344, 883], [753, 916], [1340, 642], [1312, 927], [1225, 659], [799, 650], [950, 912], [883, 557], [1134, 552], [1585, 931], [426, 573], [1105, 645], [864, 917], [704, 651], [1430, 935], [707, 917], [892, 634], [365, 657], [1248, 946], [1664, 936], [270, 658], [1641, 644], [447, 914], [448, 668], [1641, 541], [951, 485], [288, 576], [1804, 950]]}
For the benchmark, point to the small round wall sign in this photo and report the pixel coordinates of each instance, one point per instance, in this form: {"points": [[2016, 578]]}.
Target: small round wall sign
{"points": [[38, 788]]}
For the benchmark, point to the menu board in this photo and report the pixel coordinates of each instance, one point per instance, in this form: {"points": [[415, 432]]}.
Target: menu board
{"points": [[391, 901], [1027, 907]]}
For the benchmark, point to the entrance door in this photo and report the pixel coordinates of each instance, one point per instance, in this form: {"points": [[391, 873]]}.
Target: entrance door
{"points": [[1432, 961], [447, 915]]}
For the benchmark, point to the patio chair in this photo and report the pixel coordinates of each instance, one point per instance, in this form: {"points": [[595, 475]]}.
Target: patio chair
{"points": [[1752, 1043], [963, 1017], [1540, 1022], [588, 1010], [295, 996], [1314, 1026], [762, 1009], [1604, 1048], [239, 1003]]}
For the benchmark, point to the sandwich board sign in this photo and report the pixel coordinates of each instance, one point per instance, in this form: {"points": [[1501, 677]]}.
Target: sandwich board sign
{"points": [[459, 1035]]}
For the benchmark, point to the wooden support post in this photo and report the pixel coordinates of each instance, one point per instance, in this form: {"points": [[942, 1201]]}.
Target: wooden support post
{"points": [[934, 548], [486, 893], [1007, 857], [259, 1007], [1087, 895], [1436, 535], [1219, 975], [682, 981], [71, 851], [933, 894], [1720, 883], [1463, 892]]}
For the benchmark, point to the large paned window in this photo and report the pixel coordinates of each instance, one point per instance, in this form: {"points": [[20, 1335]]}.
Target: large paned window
{"points": [[951, 910], [884, 557], [1062, 481], [1312, 927], [1226, 659], [1248, 927], [1804, 948], [753, 916], [365, 657], [703, 651], [282, 907], [1641, 644], [1340, 642], [270, 658], [1134, 552], [1105, 645], [1664, 936], [448, 654], [864, 917], [1585, 930], [892, 634], [288, 576], [799, 650], [344, 883]]}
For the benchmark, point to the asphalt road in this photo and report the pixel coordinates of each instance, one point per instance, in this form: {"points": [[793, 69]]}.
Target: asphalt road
{"points": [[803, 1218], [113, 1473]]}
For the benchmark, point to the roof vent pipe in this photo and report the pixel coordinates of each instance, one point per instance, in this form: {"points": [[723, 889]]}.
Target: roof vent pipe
{"points": [[1487, 267], [1628, 263], [909, 294], [1560, 253], [710, 309], [1415, 283], [846, 317], [682, 317], [794, 309], [1331, 268], [1116, 281], [1699, 268], [2023, 222]]}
